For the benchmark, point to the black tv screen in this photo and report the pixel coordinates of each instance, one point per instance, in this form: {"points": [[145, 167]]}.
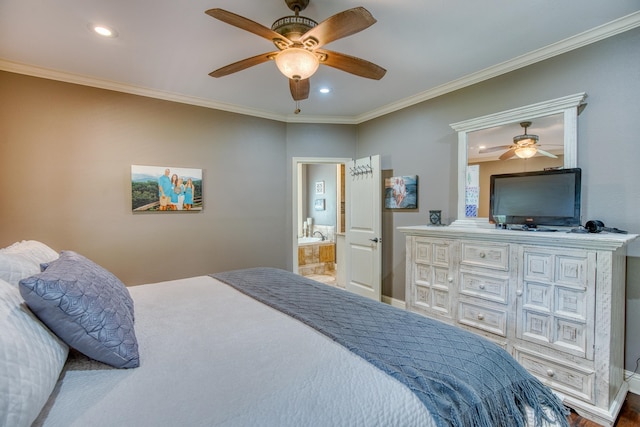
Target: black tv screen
{"points": [[550, 197]]}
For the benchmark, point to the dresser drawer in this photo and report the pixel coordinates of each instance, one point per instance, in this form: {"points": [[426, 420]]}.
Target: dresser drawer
{"points": [[572, 379], [494, 288], [494, 256], [488, 319]]}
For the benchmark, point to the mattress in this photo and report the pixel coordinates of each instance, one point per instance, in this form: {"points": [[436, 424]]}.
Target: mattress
{"points": [[210, 355]]}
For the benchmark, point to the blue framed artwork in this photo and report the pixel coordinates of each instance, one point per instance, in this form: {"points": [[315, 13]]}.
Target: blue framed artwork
{"points": [[166, 189], [401, 192]]}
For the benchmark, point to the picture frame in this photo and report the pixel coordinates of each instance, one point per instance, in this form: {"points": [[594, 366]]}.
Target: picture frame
{"points": [[401, 192], [319, 187], [319, 204], [163, 189]]}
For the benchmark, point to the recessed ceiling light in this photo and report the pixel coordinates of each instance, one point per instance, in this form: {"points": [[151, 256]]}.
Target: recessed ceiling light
{"points": [[103, 30], [325, 90]]}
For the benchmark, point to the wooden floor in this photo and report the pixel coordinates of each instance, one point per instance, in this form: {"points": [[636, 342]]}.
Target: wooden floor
{"points": [[629, 415]]}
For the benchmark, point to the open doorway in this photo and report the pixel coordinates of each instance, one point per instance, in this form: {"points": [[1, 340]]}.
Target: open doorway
{"points": [[319, 219]]}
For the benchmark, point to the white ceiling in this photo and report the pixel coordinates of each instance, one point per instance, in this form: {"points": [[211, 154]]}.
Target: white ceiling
{"points": [[166, 48]]}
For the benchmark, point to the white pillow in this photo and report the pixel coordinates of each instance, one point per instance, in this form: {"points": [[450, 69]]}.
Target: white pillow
{"points": [[36, 251], [31, 359], [23, 259]]}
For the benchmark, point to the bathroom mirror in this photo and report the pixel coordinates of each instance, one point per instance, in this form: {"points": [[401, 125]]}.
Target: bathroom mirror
{"points": [[564, 110]]}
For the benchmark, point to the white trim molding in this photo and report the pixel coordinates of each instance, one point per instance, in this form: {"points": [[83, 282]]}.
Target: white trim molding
{"points": [[593, 35], [633, 380]]}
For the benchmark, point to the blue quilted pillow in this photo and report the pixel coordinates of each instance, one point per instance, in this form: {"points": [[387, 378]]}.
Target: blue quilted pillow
{"points": [[87, 307]]}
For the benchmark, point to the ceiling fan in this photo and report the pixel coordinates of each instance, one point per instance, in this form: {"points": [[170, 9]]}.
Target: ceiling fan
{"points": [[299, 41], [524, 146]]}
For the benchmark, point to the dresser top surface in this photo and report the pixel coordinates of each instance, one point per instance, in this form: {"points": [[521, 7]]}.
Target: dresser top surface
{"points": [[599, 241]]}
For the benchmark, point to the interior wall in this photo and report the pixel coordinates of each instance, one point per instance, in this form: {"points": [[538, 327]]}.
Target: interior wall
{"points": [[326, 174], [314, 141], [418, 140], [66, 153]]}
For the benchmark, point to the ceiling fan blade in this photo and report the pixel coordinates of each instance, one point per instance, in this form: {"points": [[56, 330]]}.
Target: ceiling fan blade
{"points": [[351, 64], [492, 149], [247, 25], [299, 89], [546, 153], [340, 25], [508, 154], [242, 65]]}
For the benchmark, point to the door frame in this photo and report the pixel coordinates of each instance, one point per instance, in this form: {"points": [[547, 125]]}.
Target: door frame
{"points": [[295, 196]]}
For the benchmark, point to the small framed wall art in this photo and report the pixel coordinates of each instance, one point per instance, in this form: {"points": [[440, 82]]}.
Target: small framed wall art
{"points": [[319, 187], [401, 192]]}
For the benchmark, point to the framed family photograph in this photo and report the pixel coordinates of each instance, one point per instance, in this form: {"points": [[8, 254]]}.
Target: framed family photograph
{"points": [[165, 189], [401, 192]]}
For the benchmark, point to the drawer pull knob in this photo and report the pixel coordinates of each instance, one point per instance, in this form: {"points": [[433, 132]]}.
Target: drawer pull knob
{"points": [[519, 292], [450, 279], [550, 372], [482, 255], [481, 286], [480, 316]]}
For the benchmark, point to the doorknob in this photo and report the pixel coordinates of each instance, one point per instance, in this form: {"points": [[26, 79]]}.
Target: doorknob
{"points": [[376, 240]]}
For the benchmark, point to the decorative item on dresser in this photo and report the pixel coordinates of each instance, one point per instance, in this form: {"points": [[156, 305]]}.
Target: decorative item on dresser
{"points": [[555, 301]]}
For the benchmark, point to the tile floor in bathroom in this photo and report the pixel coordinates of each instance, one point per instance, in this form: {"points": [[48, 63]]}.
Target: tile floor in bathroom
{"points": [[328, 278]]}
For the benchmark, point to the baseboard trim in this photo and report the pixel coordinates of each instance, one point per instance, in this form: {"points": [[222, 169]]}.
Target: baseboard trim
{"points": [[634, 382], [394, 302]]}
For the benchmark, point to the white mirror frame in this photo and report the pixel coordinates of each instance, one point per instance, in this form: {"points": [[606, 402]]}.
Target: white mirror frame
{"points": [[567, 105]]}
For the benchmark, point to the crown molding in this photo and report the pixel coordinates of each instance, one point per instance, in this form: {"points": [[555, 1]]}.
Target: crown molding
{"points": [[593, 35], [46, 73]]}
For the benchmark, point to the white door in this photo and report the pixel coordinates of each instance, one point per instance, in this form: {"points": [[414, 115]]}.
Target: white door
{"points": [[363, 237]]}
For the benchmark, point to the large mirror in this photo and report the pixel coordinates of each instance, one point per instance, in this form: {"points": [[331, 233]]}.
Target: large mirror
{"points": [[554, 121]]}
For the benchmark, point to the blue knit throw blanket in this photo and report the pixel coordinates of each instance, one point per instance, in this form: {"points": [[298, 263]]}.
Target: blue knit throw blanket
{"points": [[464, 380]]}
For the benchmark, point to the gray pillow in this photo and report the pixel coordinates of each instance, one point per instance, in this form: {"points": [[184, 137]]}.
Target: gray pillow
{"points": [[87, 307]]}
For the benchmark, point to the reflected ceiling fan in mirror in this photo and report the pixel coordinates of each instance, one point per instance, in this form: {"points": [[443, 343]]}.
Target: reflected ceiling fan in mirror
{"points": [[524, 146], [299, 41]]}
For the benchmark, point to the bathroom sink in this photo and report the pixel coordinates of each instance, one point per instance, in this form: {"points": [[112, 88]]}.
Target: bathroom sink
{"points": [[302, 240]]}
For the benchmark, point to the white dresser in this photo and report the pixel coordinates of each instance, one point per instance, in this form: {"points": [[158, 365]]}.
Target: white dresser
{"points": [[554, 300]]}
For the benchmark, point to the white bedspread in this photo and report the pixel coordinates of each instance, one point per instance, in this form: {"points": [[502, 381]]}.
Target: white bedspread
{"points": [[211, 356]]}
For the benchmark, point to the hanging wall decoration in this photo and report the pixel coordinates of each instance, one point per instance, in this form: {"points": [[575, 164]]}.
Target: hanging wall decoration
{"points": [[165, 189], [401, 192]]}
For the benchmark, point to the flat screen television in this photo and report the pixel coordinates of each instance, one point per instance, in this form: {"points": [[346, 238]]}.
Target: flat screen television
{"points": [[549, 197]]}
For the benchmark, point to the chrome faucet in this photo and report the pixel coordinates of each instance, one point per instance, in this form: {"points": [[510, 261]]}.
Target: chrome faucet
{"points": [[321, 235]]}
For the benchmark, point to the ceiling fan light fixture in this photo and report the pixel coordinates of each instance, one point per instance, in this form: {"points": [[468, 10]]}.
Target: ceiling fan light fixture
{"points": [[526, 144], [297, 63], [526, 152], [526, 139]]}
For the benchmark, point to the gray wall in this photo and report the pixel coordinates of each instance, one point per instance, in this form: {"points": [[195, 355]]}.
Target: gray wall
{"points": [[418, 140], [326, 173], [66, 152]]}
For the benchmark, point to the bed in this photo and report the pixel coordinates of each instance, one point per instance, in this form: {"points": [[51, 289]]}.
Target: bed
{"points": [[252, 347]]}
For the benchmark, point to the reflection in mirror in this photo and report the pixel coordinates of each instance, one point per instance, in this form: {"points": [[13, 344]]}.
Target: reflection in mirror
{"points": [[542, 116], [491, 152]]}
